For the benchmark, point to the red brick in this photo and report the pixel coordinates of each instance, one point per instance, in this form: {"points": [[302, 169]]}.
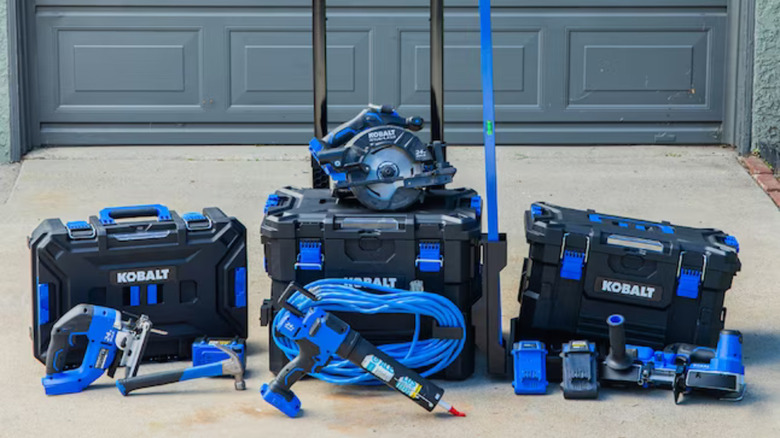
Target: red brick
{"points": [[755, 165], [775, 197], [768, 182]]}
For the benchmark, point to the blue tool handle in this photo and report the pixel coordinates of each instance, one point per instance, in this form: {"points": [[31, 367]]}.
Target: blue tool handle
{"points": [[75, 322], [126, 386], [108, 215]]}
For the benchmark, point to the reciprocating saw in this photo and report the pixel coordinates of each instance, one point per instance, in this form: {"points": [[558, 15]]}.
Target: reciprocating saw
{"points": [[321, 336]]}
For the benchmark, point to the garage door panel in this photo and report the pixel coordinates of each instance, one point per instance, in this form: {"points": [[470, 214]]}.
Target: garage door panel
{"points": [[116, 68], [516, 55], [633, 68], [273, 68]]}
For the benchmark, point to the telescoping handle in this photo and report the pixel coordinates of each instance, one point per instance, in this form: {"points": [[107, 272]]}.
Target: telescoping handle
{"points": [[109, 215]]}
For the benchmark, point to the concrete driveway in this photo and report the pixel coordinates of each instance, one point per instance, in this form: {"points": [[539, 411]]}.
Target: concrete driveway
{"points": [[696, 186]]}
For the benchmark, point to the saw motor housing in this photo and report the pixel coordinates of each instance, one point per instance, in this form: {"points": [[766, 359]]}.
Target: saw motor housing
{"points": [[378, 158]]}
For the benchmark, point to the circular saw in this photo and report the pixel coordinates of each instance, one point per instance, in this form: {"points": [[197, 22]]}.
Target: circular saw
{"points": [[379, 159]]}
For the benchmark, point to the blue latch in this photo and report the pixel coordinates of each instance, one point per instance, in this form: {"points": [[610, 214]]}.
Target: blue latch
{"points": [[572, 264], [239, 287], [310, 256], [536, 210], [76, 230], [732, 242], [272, 201], [43, 303], [688, 283], [151, 294], [430, 259], [195, 221], [530, 367], [476, 204]]}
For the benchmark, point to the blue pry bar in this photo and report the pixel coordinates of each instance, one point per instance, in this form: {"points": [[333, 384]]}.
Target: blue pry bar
{"points": [[530, 367], [239, 287], [572, 264], [688, 283]]}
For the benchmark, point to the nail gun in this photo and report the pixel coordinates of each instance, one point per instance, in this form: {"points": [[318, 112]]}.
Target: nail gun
{"points": [[321, 336], [111, 342], [683, 368]]}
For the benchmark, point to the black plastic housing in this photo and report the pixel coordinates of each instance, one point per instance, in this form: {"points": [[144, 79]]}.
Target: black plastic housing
{"points": [[204, 292], [380, 246], [650, 258]]}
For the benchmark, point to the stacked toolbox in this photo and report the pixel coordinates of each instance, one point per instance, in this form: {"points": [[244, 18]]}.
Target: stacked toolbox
{"points": [[668, 281], [308, 234], [187, 273]]}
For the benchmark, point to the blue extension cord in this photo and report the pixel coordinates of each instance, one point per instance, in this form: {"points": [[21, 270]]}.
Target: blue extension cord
{"points": [[427, 356]]}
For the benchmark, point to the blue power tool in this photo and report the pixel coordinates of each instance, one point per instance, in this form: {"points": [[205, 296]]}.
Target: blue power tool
{"points": [[377, 157], [682, 367], [111, 342], [321, 336]]}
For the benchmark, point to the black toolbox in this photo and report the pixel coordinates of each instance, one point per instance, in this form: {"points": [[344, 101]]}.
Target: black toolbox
{"points": [[187, 273], [309, 234], [668, 281]]}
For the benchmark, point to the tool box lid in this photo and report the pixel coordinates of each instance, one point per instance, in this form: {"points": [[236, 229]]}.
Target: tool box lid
{"points": [[451, 214], [550, 225]]}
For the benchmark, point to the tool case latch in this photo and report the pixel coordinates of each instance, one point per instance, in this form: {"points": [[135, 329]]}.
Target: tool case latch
{"points": [[310, 256], [430, 258], [79, 230], [272, 201], [573, 260], [689, 279], [196, 221]]}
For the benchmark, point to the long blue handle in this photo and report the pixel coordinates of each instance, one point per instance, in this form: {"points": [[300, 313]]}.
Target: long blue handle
{"points": [[489, 118]]}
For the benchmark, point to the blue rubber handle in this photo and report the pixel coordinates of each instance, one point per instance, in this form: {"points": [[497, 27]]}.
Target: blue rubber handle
{"points": [[108, 215]]}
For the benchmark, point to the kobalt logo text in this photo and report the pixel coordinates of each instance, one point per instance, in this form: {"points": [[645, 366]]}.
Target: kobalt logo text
{"points": [[139, 276], [387, 134], [386, 282], [628, 289]]}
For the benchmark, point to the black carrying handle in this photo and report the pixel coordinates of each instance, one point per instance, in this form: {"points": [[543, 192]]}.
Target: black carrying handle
{"points": [[128, 385]]}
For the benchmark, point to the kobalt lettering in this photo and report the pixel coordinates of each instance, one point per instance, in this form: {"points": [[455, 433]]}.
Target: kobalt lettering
{"points": [[628, 289], [139, 276]]}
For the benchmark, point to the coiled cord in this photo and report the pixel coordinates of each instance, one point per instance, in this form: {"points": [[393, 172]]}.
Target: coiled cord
{"points": [[427, 356]]}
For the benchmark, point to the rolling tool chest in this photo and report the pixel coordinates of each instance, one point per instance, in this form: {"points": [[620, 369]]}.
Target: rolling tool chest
{"points": [[187, 273], [668, 281], [308, 234]]}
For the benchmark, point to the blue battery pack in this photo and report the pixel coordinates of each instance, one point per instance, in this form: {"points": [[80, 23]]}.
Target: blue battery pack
{"points": [[204, 351], [530, 364]]}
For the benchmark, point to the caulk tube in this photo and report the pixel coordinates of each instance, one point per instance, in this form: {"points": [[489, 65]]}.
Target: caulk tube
{"points": [[392, 373]]}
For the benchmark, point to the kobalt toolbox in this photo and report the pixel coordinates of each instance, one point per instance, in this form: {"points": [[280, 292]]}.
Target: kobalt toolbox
{"points": [[187, 273], [668, 281], [309, 234]]}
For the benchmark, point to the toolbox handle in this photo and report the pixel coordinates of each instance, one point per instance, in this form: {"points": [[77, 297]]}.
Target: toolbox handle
{"points": [[108, 215]]}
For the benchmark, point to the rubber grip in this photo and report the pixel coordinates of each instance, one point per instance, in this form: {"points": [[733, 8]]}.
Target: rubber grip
{"points": [[126, 386]]}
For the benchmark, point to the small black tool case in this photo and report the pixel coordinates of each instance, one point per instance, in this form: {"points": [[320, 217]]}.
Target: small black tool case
{"points": [[668, 281], [309, 234], [187, 273]]}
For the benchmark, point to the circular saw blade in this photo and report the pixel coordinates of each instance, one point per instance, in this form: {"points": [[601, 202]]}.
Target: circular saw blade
{"points": [[387, 162]]}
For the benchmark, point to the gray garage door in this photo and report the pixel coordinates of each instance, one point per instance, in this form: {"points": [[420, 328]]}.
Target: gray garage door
{"points": [[239, 71]]}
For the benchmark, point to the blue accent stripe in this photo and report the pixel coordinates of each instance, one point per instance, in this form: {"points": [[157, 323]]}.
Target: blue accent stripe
{"points": [[239, 287], [151, 294], [43, 303], [135, 295]]}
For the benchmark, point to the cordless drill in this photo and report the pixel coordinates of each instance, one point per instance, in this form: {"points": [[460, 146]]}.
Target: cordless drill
{"points": [[320, 336]]}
